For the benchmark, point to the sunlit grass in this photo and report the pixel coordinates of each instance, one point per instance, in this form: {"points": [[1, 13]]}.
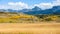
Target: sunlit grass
{"points": [[23, 18]]}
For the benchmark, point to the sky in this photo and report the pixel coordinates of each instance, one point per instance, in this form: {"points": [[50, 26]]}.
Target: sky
{"points": [[28, 4]]}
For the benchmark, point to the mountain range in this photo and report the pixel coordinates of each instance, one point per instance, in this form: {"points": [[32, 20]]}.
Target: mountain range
{"points": [[36, 11]]}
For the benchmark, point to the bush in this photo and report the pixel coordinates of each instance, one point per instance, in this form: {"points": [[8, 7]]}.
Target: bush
{"points": [[48, 19]]}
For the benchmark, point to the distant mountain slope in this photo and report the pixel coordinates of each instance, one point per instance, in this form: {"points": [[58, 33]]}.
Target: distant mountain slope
{"points": [[54, 10], [36, 10]]}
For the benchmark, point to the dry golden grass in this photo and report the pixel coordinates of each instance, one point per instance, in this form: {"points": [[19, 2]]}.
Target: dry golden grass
{"points": [[30, 28]]}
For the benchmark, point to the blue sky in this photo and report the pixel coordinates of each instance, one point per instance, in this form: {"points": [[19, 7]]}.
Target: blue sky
{"points": [[29, 2], [21, 4]]}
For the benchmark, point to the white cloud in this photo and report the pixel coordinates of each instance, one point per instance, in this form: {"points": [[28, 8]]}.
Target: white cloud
{"points": [[14, 5], [44, 5], [56, 3], [18, 5], [22, 5], [4, 7], [48, 5]]}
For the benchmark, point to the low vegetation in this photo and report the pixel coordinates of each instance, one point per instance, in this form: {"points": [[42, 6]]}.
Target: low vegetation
{"points": [[49, 17], [7, 17]]}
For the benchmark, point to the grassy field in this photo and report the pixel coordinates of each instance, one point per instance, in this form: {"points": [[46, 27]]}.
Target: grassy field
{"points": [[7, 17], [29, 28]]}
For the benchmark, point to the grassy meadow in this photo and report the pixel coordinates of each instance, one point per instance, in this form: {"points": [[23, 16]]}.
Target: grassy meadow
{"points": [[19, 23], [7, 17]]}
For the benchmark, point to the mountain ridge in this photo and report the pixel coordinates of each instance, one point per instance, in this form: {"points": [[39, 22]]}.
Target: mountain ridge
{"points": [[36, 10]]}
